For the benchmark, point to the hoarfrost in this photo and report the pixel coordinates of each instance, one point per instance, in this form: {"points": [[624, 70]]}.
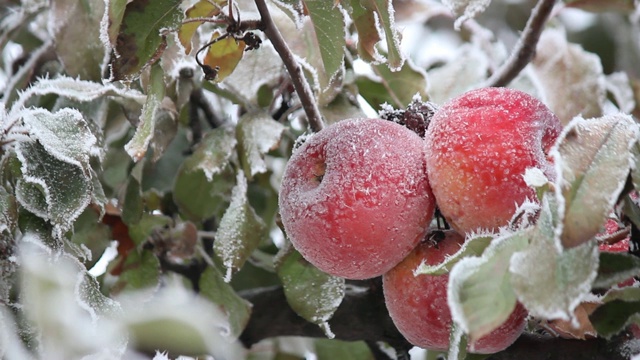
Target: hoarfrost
{"points": [[466, 9], [258, 133], [619, 85]]}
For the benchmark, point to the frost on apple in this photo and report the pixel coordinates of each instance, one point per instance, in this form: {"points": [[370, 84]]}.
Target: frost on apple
{"points": [[354, 198]]}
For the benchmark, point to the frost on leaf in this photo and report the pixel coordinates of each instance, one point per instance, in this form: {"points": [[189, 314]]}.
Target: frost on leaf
{"points": [[548, 280], [54, 190], [241, 230], [236, 309], [479, 294], [179, 322], [137, 146], [311, 293], [619, 86], [65, 135], [614, 268], [8, 211], [381, 14], [257, 134], [329, 25], [571, 80], [213, 152], [592, 159], [473, 246], [620, 308], [83, 322], [257, 68], [466, 9]]}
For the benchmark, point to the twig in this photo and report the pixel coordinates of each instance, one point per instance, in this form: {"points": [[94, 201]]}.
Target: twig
{"points": [[295, 71], [525, 49]]}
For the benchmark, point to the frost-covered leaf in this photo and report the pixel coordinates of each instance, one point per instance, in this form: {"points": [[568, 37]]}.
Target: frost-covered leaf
{"points": [[213, 152], [571, 80], [196, 196], [473, 246], [395, 88], [619, 86], [65, 135], [177, 321], [72, 23], [479, 294], [457, 343], [456, 76], [236, 309], [368, 36], [54, 190], [257, 134], [111, 21], [240, 231], [382, 11], [621, 307], [137, 146], [311, 293], [140, 40], [81, 321], [598, 6], [592, 158], [329, 25], [224, 55], [615, 268], [256, 69], [8, 211], [201, 9], [466, 9], [551, 281], [132, 206]]}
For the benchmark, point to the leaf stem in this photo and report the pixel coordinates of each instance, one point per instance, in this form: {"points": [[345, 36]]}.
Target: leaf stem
{"points": [[293, 68], [525, 49]]}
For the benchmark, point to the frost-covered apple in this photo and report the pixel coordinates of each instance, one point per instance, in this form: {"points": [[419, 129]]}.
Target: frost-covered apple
{"points": [[478, 148], [418, 304], [355, 199]]}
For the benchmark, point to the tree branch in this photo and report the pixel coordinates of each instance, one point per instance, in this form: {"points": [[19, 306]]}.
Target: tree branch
{"points": [[525, 49], [293, 68], [363, 316]]}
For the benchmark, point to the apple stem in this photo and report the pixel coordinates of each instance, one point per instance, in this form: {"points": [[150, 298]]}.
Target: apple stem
{"points": [[525, 49], [293, 68]]}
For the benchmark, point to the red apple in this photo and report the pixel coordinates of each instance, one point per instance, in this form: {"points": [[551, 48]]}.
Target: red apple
{"points": [[355, 199], [418, 304], [478, 148]]}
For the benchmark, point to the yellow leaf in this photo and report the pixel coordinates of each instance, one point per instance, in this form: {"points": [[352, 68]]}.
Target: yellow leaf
{"points": [[201, 9], [224, 55]]}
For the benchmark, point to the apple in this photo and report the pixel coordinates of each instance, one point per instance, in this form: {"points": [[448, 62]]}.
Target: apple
{"points": [[355, 199], [418, 304], [479, 145]]}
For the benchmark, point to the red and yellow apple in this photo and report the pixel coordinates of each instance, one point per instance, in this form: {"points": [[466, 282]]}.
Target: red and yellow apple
{"points": [[418, 304], [478, 148], [355, 199]]}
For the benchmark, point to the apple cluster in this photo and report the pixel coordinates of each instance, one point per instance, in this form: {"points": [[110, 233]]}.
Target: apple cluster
{"points": [[357, 199]]}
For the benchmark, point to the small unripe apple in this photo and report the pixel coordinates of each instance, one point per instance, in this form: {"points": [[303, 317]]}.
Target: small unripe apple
{"points": [[478, 148], [355, 199], [418, 304]]}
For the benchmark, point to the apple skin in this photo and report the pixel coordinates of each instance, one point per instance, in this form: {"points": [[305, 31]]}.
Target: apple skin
{"points": [[355, 199], [418, 304], [478, 148]]}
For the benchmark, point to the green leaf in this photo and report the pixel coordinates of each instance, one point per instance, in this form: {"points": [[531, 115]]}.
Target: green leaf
{"points": [[73, 22], [395, 88], [338, 349], [141, 271], [594, 156], [197, 197], [466, 9], [140, 40], [213, 152], [240, 231], [51, 189], [148, 223], [570, 79], [237, 310], [621, 308], [329, 25], [133, 205], [116, 10], [551, 281], [473, 246], [137, 146], [8, 211], [615, 268], [311, 293], [457, 343], [257, 134], [480, 295]]}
